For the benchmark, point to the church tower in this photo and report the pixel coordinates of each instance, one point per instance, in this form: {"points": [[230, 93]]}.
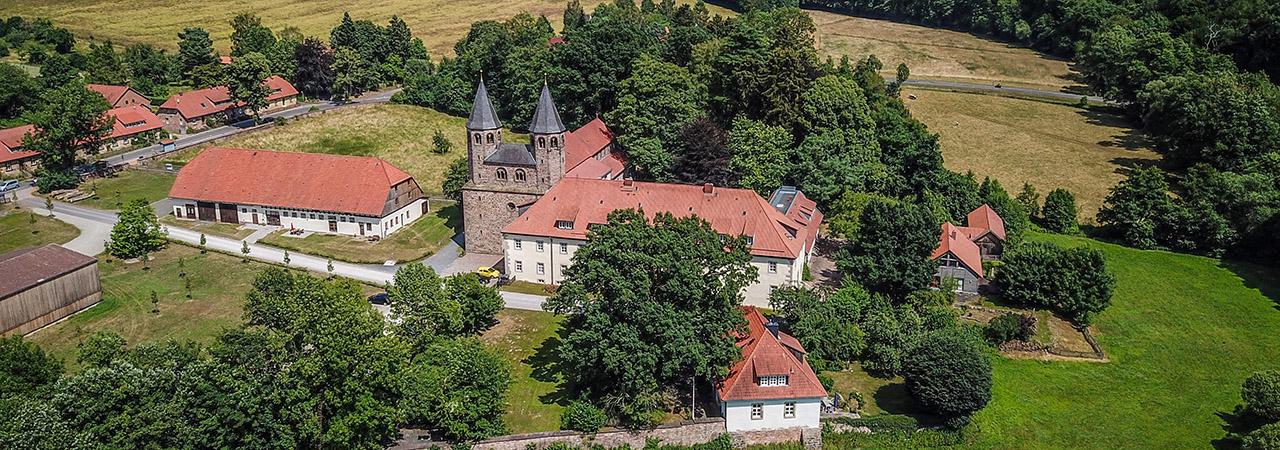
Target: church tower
{"points": [[484, 132], [546, 136]]}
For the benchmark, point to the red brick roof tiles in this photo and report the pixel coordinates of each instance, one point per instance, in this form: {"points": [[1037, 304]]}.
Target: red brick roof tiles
{"points": [[986, 218], [586, 201], [203, 102], [110, 92], [131, 120], [764, 355], [956, 241], [11, 143], [581, 146], [346, 184]]}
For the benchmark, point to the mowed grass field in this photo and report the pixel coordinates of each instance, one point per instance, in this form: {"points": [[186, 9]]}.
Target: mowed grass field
{"points": [[939, 54], [16, 229], [439, 23], [528, 340], [114, 192], [1050, 145], [399, 134], [420, 239]]}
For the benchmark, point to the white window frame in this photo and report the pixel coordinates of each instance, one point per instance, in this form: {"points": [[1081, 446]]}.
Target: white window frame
{"points": [[789, 410], [757, 411], [541, 268], [541, 246], [519, 266], [519, 245], [773, 267], [564, 248]]}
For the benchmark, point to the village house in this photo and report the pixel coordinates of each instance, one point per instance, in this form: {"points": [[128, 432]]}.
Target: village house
{"points": [[42, 285], [120, 96], [197, 110], [961, 250], [13, 158], [350, 195], [131, 125], [772, 387]]}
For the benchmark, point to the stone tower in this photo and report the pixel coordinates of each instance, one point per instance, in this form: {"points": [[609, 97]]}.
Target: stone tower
{"points": [[506, 178]]}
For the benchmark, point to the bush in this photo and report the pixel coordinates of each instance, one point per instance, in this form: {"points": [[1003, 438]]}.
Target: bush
{"points": [[827, 382], [1010, 327], [884, 423], [1073, 282], [947, 374], [582, 416], [440, 144], [1265, 438], [1261, 394], [1060, 211], [50, 180]]}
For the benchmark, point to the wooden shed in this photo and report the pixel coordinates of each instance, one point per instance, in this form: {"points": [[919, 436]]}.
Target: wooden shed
{"points": [[40, 285]]}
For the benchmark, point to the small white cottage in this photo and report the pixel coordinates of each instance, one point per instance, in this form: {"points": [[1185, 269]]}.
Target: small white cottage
{"points": [[772, 386]]}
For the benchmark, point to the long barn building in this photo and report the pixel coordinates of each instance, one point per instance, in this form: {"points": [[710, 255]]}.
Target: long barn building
{"points": [[41, 285]]}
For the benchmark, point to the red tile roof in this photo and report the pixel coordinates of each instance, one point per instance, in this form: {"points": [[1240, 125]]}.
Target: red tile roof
{"points": [[110, 92], [347, 184], [764, 355], [202, 102], [131, 120], [581, 146], [986, 218], [11, 143], [958, 242], [730, 211]]}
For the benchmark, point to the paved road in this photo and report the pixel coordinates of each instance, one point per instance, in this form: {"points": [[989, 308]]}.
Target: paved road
{"points": [[992, 89], [195, 139], [93, 222]]}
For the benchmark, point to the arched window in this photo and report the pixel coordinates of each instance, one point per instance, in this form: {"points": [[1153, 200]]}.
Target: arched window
{"points": [[542, 142], [477, 138], [511, 206], [489, 137], [502, 174], [555, 142], [519, 174]]}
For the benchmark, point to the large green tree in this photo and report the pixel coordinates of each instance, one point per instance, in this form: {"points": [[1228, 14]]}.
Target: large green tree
{"points": [[314, 68], [655, 102], [137, 232], [650, 305], [946, 373], [1074, 282], [459, 387], [195, 49], [249, 35], [71, 122], [247, 81], [825, 322], [103, 65], [762, 155], [891, 253]]}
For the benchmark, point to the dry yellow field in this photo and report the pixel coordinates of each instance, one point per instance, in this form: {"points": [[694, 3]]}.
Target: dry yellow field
{"points": [[939, 54], [439, 23], [1047, 144]]}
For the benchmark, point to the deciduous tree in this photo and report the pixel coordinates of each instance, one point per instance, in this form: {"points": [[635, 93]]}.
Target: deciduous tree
{"points": [[947, 374], [71, 122], [891, 254], [137, 232], [248, 78]]}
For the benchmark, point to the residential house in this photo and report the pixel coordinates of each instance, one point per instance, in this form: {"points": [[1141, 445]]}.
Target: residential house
{"points": [[13, 158], [961, 250], [131, 125], [772, 387], [356, 196], [196, 110], [539, 245], [120, 96], [42, 285]]}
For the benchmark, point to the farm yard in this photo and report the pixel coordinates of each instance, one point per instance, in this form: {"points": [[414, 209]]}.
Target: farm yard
{"points": [[1050, 145]]}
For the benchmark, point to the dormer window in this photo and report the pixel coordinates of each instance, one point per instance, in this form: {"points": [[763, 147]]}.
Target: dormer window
{"points": [[751, 240], [564, 224], [772, 380]]}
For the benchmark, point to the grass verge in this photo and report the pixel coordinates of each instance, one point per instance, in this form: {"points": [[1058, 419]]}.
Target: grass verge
{"points": [[210, 228], [114, 192], [528, 340], [17, 231], [421, 239]]}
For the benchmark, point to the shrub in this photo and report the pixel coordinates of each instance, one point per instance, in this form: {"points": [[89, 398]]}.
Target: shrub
{"points": [[947, 374], [884, 422], [440, 144], [1060, 211], [582, 416], [1265, 438], [1261, 394], [857, 399], [1010, 327], [1073, 282], [827, 382]]}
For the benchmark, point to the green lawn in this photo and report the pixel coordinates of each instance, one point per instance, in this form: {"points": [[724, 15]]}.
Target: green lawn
{"points": [[16, 230], [210, 228], [1182, 333], [525, 287], [218, 285], [421, 239], [114, 192], [528, 339]]}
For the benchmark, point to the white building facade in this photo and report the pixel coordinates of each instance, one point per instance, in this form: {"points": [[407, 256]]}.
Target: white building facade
{"points": [[772, 387]]}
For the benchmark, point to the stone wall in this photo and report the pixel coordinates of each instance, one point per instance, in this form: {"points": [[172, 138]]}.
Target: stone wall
{"points": [[485, 212], [685, 433]]}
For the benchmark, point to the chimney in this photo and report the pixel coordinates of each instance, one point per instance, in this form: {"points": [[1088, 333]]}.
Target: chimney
{"points": [[708, 188], [772, 326], [628, 185]]}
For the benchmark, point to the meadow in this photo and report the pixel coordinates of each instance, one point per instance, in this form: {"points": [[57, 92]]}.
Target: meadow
{"points": [[1050, 145], [17, 231]]}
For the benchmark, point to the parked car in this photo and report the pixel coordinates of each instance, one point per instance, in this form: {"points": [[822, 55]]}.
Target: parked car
{"points": [[488, 273], [9, 185], [380, 298]]}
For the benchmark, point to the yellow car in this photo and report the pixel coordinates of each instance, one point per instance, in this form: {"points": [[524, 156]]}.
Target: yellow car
{"points": [[487, 272]]}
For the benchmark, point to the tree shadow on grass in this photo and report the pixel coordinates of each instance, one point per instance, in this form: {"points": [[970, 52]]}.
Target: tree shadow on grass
{"points": [[1235, 423], [1265, 279], [548, 368], [893, 398]]}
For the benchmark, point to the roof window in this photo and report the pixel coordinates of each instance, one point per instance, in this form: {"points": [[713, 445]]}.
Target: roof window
{"points": [[564, 224]]}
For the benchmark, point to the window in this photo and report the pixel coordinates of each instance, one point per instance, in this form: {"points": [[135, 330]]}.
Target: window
{"points": [[564, 248], [542, 268], [488, 138], [757, 411], [477, 138], [541, 246], [750, 240], [789, 410], [564, 224], [555, 142], [562, 268], [313, 216], [773, 267], [542, 142], [772, 380], [519, 266], [519, 245], [520, 175], [502, 174]]}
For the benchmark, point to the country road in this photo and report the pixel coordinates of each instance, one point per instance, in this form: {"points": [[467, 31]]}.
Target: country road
{"points": [[95, 226], [992, 89]]}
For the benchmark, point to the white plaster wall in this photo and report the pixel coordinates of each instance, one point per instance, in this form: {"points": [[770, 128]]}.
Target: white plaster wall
{"points": [[737, 414], [347, 224], [528, 256], [406, 215]]}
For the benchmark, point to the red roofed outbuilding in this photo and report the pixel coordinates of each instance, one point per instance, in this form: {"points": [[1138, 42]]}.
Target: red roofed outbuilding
{"points": [[961, 250], [130, 123], [772, 386], [352, 195], [13, 157], [193, 110], [120, 96]]}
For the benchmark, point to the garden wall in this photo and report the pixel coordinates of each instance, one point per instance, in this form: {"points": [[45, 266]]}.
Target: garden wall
{"points": [[683, 433]]}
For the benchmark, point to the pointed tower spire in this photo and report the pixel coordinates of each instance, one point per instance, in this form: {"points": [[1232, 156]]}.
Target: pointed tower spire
{"points": [[482, 115], [546, 119]]}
